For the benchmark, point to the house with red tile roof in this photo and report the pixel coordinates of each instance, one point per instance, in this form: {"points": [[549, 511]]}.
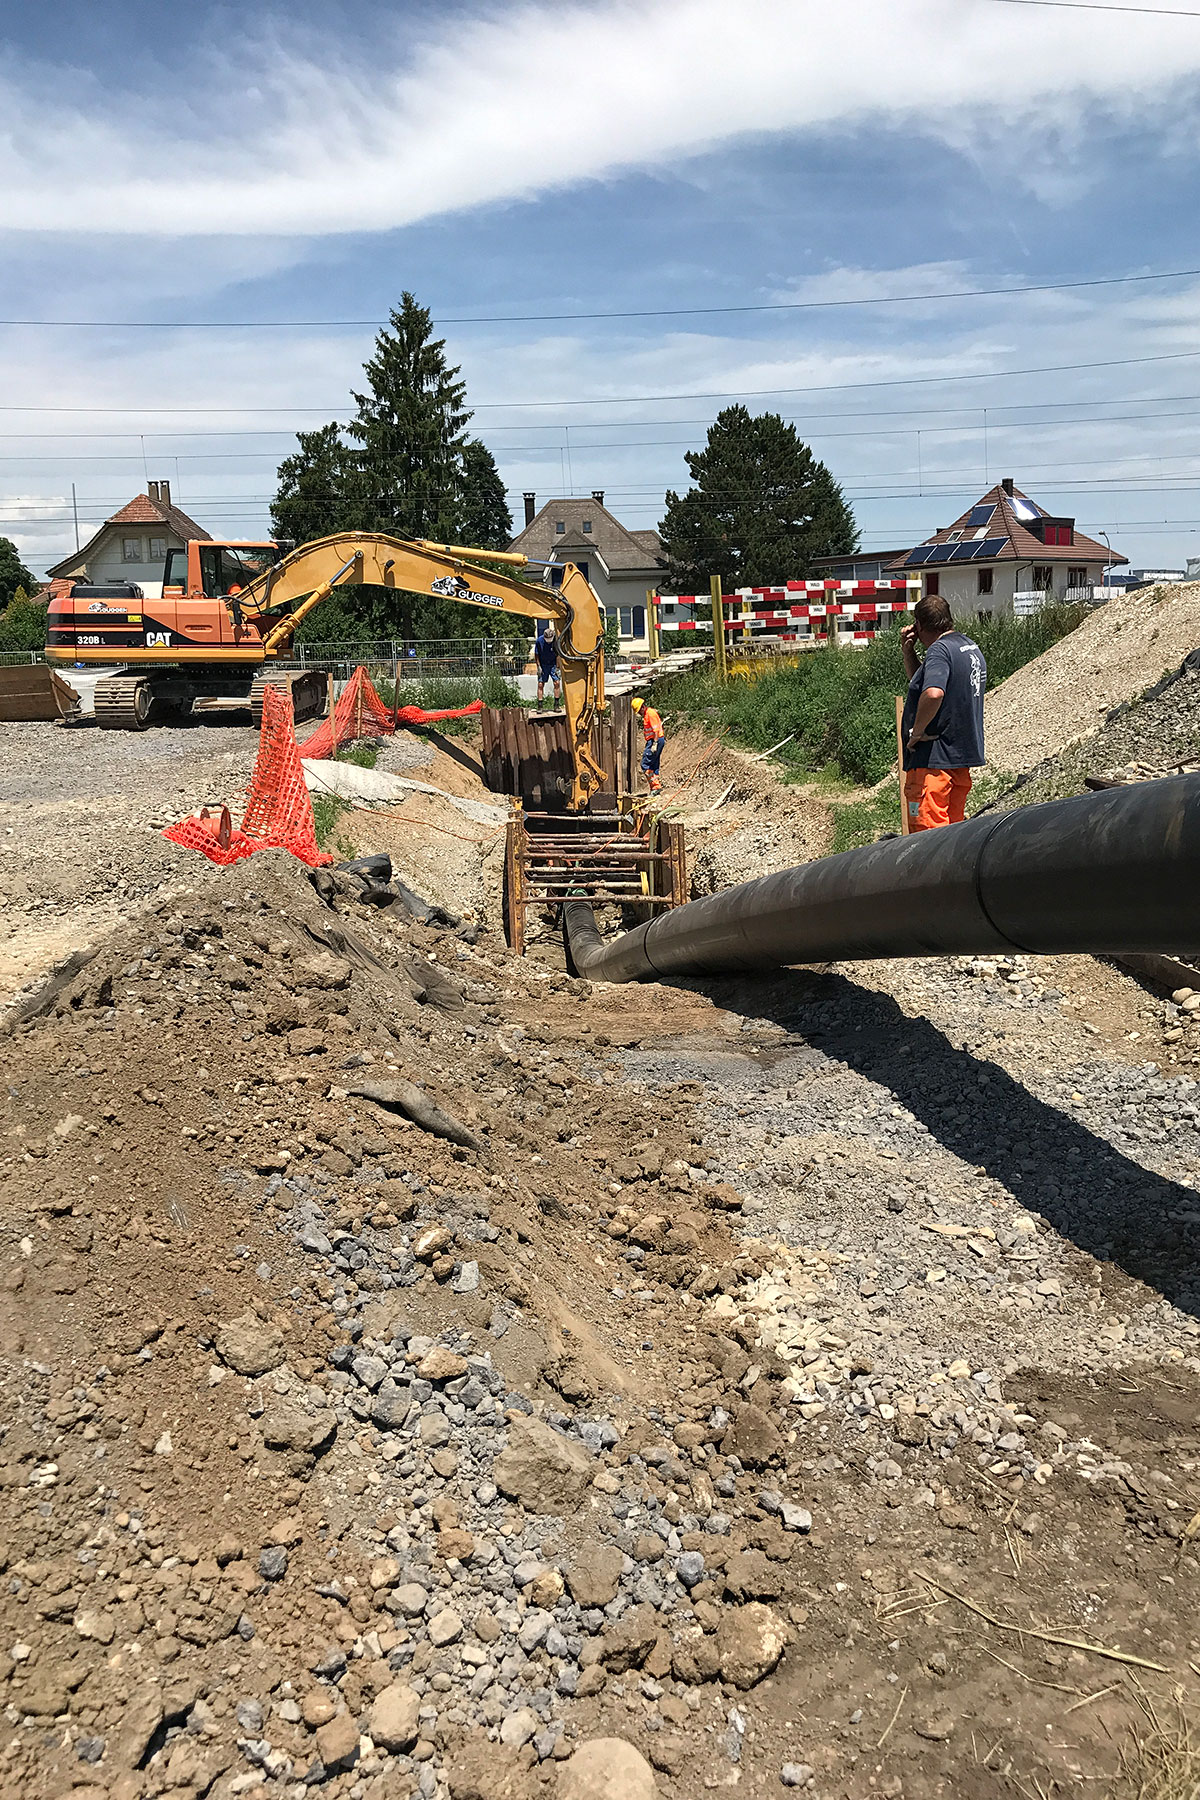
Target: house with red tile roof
{"points": [[1007, 545], [132, 545]]}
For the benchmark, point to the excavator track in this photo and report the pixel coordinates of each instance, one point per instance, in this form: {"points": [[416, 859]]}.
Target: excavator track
{"points": [[308, 688], [124, 703]]}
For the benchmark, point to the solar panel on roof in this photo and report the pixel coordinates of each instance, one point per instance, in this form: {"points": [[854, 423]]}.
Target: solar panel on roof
{"points": [[979, 515], [961, 552], [990, 547], [921, 554], [1023, 508]]}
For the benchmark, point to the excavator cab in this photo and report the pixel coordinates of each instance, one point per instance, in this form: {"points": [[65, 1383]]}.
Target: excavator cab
{"points": [[214, 570]]}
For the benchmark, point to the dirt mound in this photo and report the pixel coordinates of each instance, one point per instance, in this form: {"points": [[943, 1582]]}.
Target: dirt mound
{"points": [[1117, 653], [263, 1340]]}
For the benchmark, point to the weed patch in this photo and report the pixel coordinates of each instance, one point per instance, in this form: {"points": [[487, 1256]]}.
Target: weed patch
{"points": [[839, 705]]}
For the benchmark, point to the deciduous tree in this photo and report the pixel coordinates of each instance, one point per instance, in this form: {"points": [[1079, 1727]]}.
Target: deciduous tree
{"points": [[13, 573]]}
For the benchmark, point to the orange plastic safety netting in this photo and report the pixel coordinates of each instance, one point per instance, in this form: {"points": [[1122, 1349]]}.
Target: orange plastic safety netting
{"points": [[359, 713], [279, 813], [417, 715]]}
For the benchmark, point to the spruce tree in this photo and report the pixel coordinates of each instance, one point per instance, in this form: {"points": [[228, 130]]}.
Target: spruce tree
{"points": [[411, 429], [762, 507], [484, 520], [411, 472], [316, 493]]}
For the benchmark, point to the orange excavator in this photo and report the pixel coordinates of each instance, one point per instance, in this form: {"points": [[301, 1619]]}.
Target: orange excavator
{"points": [[229, 611]]}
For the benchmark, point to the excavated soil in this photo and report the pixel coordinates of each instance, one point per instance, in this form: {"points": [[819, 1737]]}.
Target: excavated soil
{"points": [[782, 1383]]}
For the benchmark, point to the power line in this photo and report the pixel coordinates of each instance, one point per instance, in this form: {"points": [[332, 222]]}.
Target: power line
{"points": [[536, 450], [834, 387], [968, 410], [1160, 12], [650, 312]]}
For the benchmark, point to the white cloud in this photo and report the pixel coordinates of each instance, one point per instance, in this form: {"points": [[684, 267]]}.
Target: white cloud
{"points": [[534, 97]]}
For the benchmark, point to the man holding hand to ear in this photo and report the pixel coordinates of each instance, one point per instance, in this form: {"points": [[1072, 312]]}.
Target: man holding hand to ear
{"points": [[942, 723]]}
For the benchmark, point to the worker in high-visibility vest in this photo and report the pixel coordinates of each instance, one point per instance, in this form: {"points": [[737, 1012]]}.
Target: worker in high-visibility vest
{"points": [[656, 737]]}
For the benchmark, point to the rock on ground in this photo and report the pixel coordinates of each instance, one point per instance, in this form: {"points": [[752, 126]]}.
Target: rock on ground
{"points": [[546, 1472], [607, 1769], [751, 1639]]}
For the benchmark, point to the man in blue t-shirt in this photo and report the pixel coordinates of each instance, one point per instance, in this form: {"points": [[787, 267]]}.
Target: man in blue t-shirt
{"points": [[545, 652], [942, 724]]}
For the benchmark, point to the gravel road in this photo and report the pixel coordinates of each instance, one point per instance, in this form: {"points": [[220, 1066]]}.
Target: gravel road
{"points": [[81, 812]]}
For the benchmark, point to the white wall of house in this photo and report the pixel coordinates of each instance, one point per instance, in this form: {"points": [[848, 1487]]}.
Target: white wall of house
{"points": [[112, 559], [960, 585], [619, 593]]}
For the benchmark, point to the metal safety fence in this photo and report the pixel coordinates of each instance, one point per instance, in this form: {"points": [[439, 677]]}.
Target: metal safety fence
{"points": [[429, 659]]}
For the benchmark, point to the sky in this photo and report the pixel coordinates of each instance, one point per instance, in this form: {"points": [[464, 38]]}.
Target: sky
{"points": [[206, 212]]}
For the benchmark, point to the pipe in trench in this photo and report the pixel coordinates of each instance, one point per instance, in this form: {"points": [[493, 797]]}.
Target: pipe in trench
{"points": [[1104, 873]]}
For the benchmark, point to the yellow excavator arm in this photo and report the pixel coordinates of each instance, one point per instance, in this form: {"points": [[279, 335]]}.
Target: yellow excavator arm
{"points": [[299, 583]]}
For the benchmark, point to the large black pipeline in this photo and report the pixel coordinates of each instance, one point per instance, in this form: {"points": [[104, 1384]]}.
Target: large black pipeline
{"points": [[1108, 872]]}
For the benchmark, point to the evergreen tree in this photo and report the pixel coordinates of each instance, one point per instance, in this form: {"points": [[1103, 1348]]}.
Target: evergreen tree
{"points": [[762, 507], [316, 493], [410, 426], [412, 473], [484, 518], [13, 573]]}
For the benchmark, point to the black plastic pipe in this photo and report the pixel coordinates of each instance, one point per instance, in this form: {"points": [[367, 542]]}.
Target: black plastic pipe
{"points": [[1108, 872]]}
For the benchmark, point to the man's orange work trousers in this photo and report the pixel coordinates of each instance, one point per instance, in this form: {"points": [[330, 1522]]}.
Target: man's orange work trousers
{"points": [[935, 797]]}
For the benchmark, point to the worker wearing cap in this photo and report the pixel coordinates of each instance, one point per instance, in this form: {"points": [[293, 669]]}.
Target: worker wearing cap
{"points": [[545, 652], [656, 737], [942, 724]]}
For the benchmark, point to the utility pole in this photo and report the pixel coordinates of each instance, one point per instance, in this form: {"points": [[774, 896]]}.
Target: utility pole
{"points": [[75, 510]]}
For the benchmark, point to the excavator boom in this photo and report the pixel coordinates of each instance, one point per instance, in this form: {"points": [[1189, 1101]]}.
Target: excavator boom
{"points": [[299, 584]]}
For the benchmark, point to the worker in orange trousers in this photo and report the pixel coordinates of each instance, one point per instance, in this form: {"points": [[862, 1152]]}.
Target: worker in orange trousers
{"points": [[942, 724], [655, 737]]}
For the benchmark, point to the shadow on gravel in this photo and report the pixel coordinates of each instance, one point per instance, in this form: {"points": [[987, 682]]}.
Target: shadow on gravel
{"points": [[1093, 1194]]}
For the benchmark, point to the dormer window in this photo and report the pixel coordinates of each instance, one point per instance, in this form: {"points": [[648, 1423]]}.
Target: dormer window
{"points": [[1059, 532]]}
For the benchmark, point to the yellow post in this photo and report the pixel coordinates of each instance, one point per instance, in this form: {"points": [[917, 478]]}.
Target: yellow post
{"points": [[718, 613], [904, 827], [652, 622]]}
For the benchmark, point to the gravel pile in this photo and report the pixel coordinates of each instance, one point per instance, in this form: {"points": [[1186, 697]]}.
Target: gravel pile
{"points": [[1158, 734], [404, 754], [1117, 653]]}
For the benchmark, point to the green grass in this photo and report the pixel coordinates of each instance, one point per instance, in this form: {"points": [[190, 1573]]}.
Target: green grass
{"points": [[327, 810], [363, 755], [839, 705], [447, 691], [859, 822]]}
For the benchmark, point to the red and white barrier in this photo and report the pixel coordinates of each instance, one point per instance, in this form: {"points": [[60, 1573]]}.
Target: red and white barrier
{"points": [[760, 608]]}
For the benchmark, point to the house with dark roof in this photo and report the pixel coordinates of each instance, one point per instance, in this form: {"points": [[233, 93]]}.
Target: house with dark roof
{"points": [[1006, 546], [132, 545], [621, 565]]}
